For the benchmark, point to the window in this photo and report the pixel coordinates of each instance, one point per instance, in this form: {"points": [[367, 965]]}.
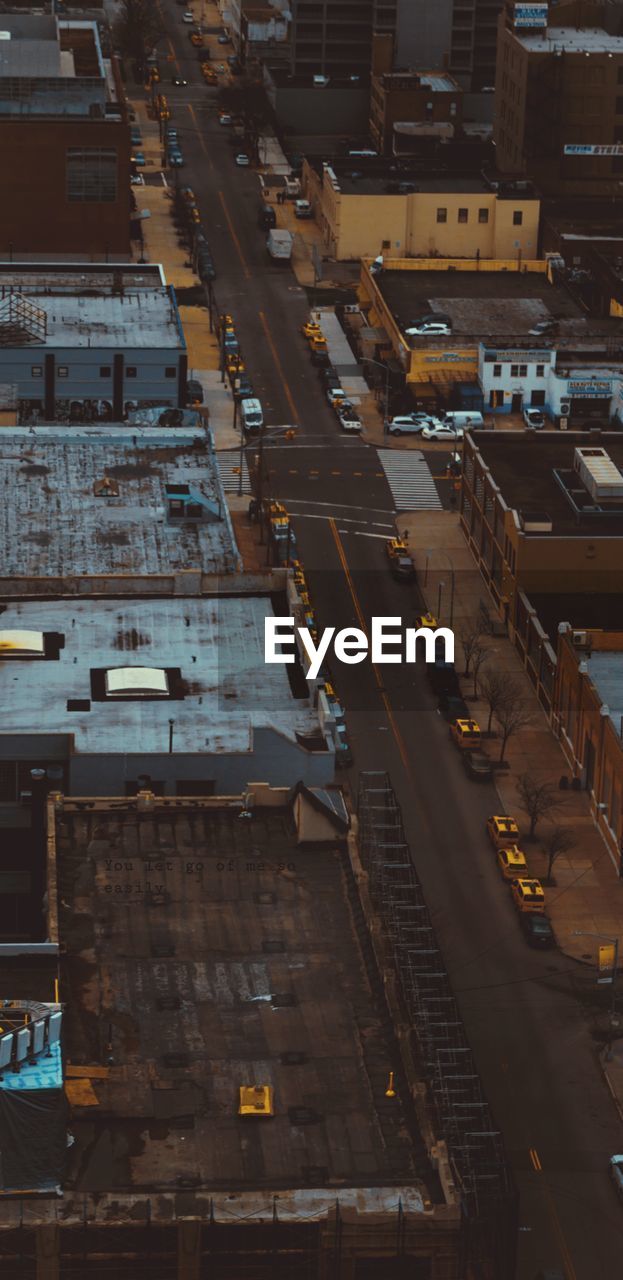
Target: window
{"points": [[62, 371], [483, 215], [540, 371], [91, 175], [514, 371], [463, 215], [538, 399], [386, 244], [497, 371], [442, 215], [105, 371], [130, 371], [170, 371], [36, 371], [517, 218], [523, 371]]}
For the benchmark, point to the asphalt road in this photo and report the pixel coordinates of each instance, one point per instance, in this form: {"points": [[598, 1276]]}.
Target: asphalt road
{"points": [[529, 1015]]}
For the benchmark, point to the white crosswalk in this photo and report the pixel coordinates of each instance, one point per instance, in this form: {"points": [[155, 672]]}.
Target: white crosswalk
{"points": [[229, 468], [410, 480]]}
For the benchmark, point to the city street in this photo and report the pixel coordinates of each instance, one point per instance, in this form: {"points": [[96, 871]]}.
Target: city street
{"points": [[529, 1015]]}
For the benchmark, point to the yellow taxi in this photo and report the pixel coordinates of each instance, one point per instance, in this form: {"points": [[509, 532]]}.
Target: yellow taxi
{"points": [[311, 329], [209, 75], [318, 342], [528, 895], [427, 620], [234, 364], [512, 862], [465, 734], [196, 40], [502, 830]]}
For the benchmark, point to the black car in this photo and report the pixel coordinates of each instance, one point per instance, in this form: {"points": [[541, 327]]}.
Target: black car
{"points": [[477, 766], [453, 708], [537, 928], [320, 359], [179, 81], [329, 378], [194, 391], [443, 678], [244, 389]]}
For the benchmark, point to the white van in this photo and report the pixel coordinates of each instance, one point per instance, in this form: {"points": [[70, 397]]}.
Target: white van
{"points": [[468, 419], [252, 415]]}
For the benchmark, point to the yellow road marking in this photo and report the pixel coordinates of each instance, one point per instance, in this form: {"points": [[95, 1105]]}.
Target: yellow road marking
{"points": [[275, 356], [200, 136], [398, 738], [570, 1271], [234, 237], [534, 1156]]}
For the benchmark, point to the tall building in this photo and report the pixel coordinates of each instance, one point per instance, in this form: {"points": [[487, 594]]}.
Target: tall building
{"points": [[559, 98], [473, 42], [334, 37]]}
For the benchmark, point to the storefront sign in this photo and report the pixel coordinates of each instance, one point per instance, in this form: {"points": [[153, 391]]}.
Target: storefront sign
{"points": [[451, 357], [517, 357], [577, 387], [592, 149]]}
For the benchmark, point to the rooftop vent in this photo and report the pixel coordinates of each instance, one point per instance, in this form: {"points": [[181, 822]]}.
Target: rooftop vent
{"points": [[22, 644], [123, 682], [106, 488], [602, 478]]}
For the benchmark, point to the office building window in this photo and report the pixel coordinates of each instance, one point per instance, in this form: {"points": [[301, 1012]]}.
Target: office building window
{"points": [[130, 371], [497, 371], [442, 215], [514, 371], [91, 175], [170, 371], [62, 371], [105, 371], [463, 215], [540, 371], [483, 215], [517, 218], [36, 371], [523, 371]]}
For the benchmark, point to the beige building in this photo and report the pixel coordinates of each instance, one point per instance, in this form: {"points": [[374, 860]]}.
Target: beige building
{"points": [[362, 216]]}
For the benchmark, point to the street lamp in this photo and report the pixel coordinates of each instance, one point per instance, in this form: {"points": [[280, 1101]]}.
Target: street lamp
{"points": [[614, 942], [277, 433], [440, 550]]}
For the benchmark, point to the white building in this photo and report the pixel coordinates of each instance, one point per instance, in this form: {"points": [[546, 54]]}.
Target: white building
{"points": [[515, 378]]}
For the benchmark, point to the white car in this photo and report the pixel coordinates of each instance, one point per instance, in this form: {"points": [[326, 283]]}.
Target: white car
{"points": [[348, 416], [429, 330], [335, 393], [441, 431], [534, 418], [411, 424], [242, 159], [188, 17], [224, 118]]}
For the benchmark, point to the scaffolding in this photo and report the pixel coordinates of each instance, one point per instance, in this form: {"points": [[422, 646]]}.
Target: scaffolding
{"points": [[475, 1145]]}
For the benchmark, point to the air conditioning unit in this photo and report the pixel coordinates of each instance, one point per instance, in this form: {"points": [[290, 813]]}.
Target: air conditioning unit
{"points": [[579, 639], [565, 408]]}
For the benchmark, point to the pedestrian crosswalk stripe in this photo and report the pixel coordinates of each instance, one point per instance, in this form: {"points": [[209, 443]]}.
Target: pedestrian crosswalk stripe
{"points": [[228, 464], [410, 480]]}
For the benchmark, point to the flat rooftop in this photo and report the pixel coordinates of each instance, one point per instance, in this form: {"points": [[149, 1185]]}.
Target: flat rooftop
{"points": [[488, 304], [377, 180], [523, 468], [135, 319], [53, 524], [215, 948], [572, 40], [212, 650], [605, 670], [80, 278], [583, 611]]}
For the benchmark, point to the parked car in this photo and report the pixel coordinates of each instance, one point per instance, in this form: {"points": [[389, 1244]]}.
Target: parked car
{"points": [[543, 327], [452, 706], [224, 119], [512, 862], [348, 417], [136, 138], [329, 377], [477, 766], [465, 734], [443, 680], [179, 81], [176, 158], [538, 932], [502, 830], [188, 17], [441, 431], [303, 209], [319, 357], [432, 329], [242, 160], [224, 38], [335, 393], [194, 391], [243, 389], [534, 418], [138, 158], [528, 894], [343, 752], [400, 563], [411, 424]]}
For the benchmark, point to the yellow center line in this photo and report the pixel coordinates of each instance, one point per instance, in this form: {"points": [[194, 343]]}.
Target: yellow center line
{"points": [[570, 1271], [200, 136], [398, 738], [279, 366], [232, 232], [534, 1156]]}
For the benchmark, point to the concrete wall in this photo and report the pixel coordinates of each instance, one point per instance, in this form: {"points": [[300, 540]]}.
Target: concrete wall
{"points": [[423, 32]]}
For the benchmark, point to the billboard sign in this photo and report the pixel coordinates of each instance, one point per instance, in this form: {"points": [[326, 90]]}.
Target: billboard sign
{"points": [[593, 149], [530, 15], [582, 387]]}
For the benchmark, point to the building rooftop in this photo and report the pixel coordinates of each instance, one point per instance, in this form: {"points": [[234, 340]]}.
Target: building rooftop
{"points": [[438, 81], [59, 519], [212, 651], [485, 305], [605, 670], [49, 67], [571, 40], [135, 319], [357, 177], [88, 279], [222, 954], [523, 467]]}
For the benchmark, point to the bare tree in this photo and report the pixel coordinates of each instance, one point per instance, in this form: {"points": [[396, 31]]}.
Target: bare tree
{"points": [[492, 688], [559, 840], [537, 798], [137, 30], [512, 713], [479, 657], [469, 636]]}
